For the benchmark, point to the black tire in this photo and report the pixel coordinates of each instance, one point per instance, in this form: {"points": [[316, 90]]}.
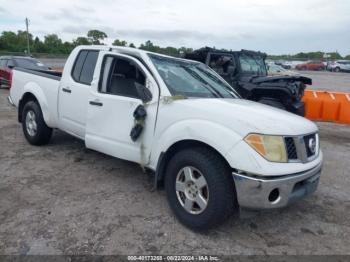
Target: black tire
{"points": [[337, 69], [43, 132], [222, 201], [274, 103]]}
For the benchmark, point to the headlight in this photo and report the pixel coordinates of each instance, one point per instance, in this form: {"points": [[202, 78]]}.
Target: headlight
{"points": [[272, 148]]}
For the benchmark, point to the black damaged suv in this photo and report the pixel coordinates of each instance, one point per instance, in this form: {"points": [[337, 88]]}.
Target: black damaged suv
{"points": [[246, 71]]}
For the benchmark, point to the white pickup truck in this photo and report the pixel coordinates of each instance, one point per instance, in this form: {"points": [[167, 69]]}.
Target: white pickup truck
{"points": [[213, 152]]}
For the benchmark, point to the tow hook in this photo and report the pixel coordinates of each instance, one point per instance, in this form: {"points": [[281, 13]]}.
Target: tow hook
{"points": [[139, 116]]}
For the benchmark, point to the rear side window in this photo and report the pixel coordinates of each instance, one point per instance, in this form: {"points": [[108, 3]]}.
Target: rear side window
{"points": [[84, 66]]}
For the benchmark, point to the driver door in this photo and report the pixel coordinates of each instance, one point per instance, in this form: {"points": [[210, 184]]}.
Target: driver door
{"points": [[112, 103]]}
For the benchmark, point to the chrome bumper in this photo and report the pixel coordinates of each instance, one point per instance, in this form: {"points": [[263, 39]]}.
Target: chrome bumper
{"points": [[266, 193]]}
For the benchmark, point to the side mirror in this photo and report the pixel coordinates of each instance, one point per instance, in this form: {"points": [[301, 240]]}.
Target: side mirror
{"points": [[11, 66], [143, 93]]}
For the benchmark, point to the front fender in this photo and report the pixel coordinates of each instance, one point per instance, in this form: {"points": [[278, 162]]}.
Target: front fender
{"points": [[213, 134]]}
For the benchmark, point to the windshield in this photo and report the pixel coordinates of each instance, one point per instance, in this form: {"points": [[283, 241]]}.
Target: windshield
{"points": [[273, 68], [253, 65], [30, 63], [191, 79]]}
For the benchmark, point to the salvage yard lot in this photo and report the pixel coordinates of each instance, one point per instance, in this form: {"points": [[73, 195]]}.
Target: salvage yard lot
{"points": [[331, 81], [65, 199]]}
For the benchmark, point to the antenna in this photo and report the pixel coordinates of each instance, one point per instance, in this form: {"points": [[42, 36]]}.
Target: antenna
{"points": [[27, 26]]}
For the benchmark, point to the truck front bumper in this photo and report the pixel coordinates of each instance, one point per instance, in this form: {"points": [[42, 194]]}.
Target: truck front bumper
{"points": [[256, 192]]}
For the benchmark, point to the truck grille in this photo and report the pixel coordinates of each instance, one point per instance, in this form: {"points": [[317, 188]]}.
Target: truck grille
{"points": [[302, 148], [291, 149]]}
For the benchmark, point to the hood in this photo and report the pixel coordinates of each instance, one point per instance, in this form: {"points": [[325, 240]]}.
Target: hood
{"points": [[244, 117]]}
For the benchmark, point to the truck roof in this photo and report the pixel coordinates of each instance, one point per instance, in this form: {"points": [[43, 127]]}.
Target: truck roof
{"points": [[127, 50]]}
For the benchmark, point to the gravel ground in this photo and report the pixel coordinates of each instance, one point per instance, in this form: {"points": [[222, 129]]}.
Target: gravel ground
{"points": [[331, 81], [65, 199]]}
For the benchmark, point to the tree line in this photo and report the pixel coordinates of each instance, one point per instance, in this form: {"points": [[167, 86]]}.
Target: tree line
{"points": [[52, 44], [310, 56]]}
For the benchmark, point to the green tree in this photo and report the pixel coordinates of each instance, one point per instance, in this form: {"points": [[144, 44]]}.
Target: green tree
{"points": [[67, 47], [132, 45], [335, 55], [13, 42], [118, 42], [81, 40], [39, 46], [8, 40], [95, 36], [149, 46], [53, 43]]}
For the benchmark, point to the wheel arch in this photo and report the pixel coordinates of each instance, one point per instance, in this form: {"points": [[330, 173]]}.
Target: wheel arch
{"points": [[166, 156], [28, 96], [33, 92]]}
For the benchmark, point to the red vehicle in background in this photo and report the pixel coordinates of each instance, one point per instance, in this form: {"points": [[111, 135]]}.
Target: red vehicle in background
{"points": [[312, 65], [7, 63]]}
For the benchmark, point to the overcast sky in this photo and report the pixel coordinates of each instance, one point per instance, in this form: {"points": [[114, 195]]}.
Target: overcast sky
{"points": [[272, 26]]}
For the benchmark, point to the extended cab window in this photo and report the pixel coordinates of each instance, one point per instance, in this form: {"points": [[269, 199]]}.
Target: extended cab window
{"points": [[121, 77], [84, 66]]}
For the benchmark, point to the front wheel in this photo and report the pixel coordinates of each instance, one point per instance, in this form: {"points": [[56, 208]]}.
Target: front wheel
{"points": [[200, 188], [34, 127]]}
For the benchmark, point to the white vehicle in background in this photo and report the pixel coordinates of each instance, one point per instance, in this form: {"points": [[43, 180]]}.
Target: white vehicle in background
{"points": [[273, 69], [339, 66], [213, 152]]}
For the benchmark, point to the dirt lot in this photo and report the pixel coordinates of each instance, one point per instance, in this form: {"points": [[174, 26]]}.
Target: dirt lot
{"points": [[324, 80], [65, 199]]}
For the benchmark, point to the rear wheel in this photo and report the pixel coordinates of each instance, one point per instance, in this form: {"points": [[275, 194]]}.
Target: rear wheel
{"points": [[200, 188], [34, 127], [337, 69]]}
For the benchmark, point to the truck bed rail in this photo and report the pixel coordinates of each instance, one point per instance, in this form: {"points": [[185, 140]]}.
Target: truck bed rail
{"points": [[49, 74]]}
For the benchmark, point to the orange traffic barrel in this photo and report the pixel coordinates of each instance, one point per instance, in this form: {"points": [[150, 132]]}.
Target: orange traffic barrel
{"points": [[327, 106]]}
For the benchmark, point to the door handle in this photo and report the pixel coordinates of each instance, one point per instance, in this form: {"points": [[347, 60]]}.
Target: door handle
{"points": [[67, 90], [95, 103]]}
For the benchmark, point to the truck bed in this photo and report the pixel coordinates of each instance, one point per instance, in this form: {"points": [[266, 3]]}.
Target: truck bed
{"points": [[44, 85]]}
